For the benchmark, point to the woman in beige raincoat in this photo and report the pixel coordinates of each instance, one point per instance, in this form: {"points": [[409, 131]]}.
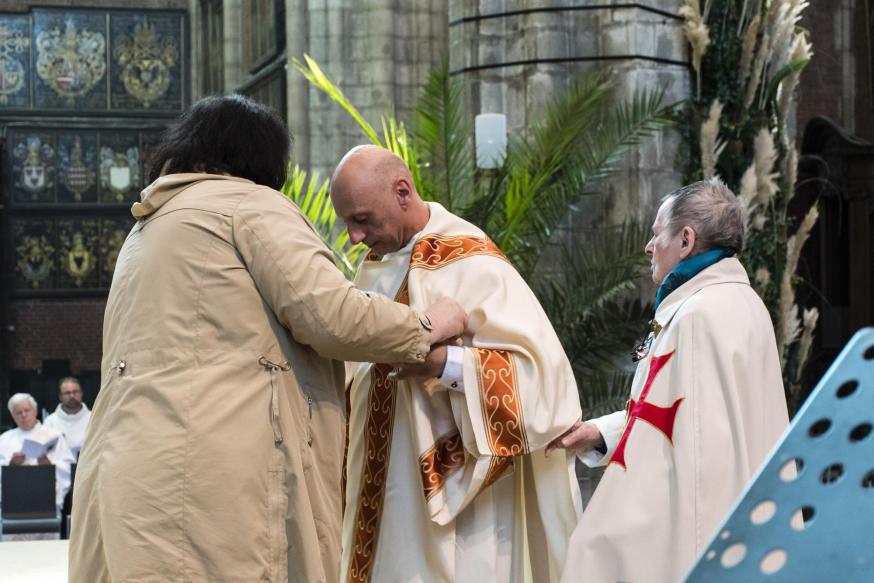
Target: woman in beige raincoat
{"points": [[216, 444]]}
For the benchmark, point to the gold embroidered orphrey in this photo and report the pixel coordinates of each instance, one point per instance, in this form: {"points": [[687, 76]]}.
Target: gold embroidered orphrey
{"points": [[378, 431], [71, 62], [12, 74], [501, 406], [146, 59]]}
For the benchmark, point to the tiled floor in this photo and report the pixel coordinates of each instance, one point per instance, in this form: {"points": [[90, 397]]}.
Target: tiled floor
{"points": [[33, 561]]}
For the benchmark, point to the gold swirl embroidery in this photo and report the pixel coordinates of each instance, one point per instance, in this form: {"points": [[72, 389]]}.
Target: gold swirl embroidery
{"points": [[498, 467], [436, 251], [377, 447], [438, 463], [499, 395]]}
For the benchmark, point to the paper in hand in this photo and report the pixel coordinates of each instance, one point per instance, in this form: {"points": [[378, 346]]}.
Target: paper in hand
{"points": [[36, 448]]}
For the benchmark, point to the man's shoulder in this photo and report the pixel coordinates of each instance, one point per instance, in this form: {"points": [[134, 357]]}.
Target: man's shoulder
{"points": [[730, 309]]}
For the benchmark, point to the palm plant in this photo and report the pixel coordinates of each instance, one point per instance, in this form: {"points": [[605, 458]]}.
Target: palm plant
{"points": [[312, 197], [591, 294]]}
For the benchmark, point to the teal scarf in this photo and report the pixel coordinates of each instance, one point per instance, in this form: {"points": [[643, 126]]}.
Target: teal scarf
{"points": [[689, 268]]}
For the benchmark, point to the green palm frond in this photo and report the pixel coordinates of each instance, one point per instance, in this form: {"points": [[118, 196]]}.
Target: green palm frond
{"points": [[443, 135], [605, 393], [580, 142], [314, 200], [314, 74], [594, 304], [394, 134]]}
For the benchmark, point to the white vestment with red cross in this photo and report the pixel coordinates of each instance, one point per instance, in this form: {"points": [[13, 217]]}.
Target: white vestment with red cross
{"points": [[707, 405]]}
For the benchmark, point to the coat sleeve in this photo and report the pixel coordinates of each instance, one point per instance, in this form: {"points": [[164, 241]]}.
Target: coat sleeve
{"points": [[295, 274], [611, 427]]}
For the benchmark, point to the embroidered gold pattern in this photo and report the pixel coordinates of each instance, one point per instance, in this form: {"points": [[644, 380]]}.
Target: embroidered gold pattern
{"points": [[498, 467], [502, 410], [436, 251], [377, 447], [443, 459]]}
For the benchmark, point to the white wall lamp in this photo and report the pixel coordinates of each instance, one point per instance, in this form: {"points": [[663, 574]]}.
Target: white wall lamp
{"points": [[491, 140]]}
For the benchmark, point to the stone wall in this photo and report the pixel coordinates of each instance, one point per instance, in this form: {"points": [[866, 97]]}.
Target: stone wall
{"points": [[380, 52]]}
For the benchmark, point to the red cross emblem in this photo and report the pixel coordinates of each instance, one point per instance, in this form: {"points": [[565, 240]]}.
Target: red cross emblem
{"points": [[662, 418]]}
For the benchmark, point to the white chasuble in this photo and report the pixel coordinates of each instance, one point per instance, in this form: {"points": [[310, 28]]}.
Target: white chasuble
{"points": [[707, 406], [452, 486]]}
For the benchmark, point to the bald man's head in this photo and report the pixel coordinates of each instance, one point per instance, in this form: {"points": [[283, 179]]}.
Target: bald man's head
{"points": [[374, 193]]}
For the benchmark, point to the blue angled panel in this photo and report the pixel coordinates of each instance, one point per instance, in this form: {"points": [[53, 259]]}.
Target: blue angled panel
{"points": [[809, 514]]}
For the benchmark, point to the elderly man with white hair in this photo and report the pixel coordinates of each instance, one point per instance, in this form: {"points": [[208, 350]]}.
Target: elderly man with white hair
{"points": [[706, 406], [23, 408]]}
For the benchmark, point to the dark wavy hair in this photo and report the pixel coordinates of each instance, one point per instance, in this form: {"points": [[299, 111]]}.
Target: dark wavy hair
{"points": [[228, 134]]}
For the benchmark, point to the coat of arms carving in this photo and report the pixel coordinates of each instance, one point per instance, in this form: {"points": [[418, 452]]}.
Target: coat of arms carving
{"points": [[12, 74], [34, 169], [112, 243], [35, 259], [119, 170], [80, 261], [146, 59], [71, 62], [76, 173]]}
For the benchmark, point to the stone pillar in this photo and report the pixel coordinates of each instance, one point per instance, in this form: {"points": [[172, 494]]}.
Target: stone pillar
{"points": [[380, 53], [514, 55], [233, 40], [297, 90]]}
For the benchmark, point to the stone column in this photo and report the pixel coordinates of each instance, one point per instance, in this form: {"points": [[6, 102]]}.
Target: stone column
{"points": [[297, 91], [380, 53], [233, 40], [515, 55]]}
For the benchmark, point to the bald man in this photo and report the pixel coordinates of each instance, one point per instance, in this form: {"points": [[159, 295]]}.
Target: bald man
{"points": [[446, 476]]}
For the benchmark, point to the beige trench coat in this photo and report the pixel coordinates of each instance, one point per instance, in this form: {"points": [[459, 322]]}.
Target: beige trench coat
{"points": [[216, 442]]}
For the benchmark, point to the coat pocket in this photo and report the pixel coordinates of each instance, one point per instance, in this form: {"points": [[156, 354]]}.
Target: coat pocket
{"points": [[277, 505]]}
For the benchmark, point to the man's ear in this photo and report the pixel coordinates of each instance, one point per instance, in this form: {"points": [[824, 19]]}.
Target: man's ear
{"points": [[404, 192], [687, 245]]}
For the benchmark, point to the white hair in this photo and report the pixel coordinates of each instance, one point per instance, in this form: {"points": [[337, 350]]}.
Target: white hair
{"points": [[20, 398], [712, 209]]}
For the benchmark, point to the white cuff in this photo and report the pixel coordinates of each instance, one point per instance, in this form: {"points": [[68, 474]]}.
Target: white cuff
{"points": [[611, 427], [453, 371]]}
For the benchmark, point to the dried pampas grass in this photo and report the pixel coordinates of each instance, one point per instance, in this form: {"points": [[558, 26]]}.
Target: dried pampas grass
{"points": [[765, 157], [747, 195], [749, 47], [809, 320], [697, 33], [801, 51], [711, 145], [790, 323]]}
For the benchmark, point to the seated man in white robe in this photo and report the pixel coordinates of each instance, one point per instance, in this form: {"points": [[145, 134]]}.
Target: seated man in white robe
{"points": [[707, 404], [71, 417], [23, 408], [446, 478]]}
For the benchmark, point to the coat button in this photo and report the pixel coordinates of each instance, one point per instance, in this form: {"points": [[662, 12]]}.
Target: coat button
{"points": [[454, 385]]}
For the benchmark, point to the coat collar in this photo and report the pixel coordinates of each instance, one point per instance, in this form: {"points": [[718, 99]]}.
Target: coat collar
{"points": [[155, 195], [728, 270]]}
